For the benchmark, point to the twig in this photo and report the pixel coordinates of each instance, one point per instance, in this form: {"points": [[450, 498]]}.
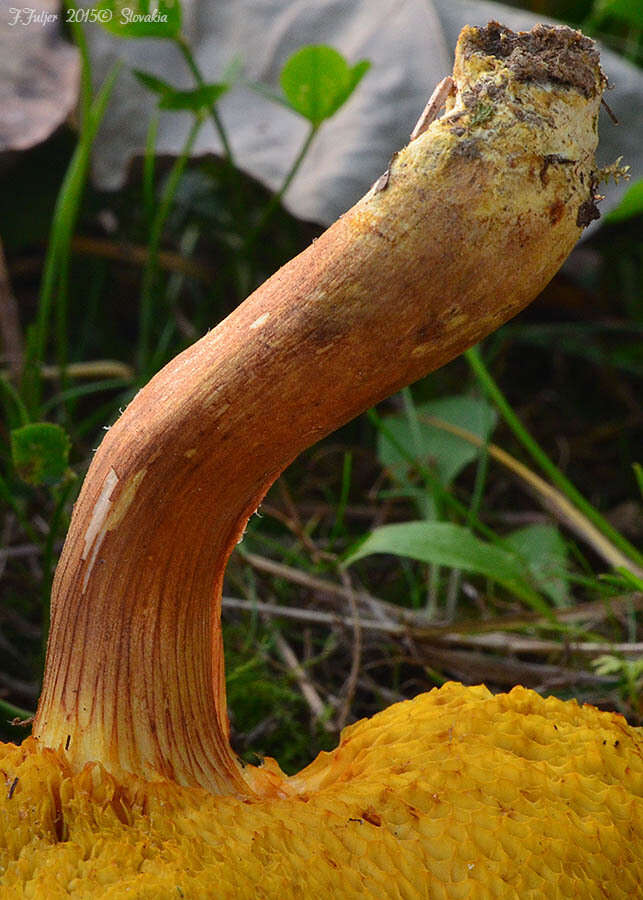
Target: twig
{"points": [[436, 101], [436, 632], [509, 643], [610, 112], [18, 715], [369, 684], [315, 617], [139, 255], [306, 686], [93, 368], [471, 667], [19, 551], [386, 612], [293, 520], [356, 657], [394, 619]]}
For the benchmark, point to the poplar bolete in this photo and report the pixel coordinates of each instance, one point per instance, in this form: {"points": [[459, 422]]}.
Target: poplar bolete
{"points": [[129, 787]]}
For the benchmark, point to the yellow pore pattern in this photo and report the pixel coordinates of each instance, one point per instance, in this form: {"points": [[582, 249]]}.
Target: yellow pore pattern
{"points": [[456, 794]]}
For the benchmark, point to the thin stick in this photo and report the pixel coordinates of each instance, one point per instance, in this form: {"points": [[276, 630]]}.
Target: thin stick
{"points": [[139, 255], [19, 716], [309, 693], [93, 368], [435, 103], [470, 666], [394, 618], [517, 644], [384, 611], [313, 616], [351, 683], [293, 520], [437, 633]]}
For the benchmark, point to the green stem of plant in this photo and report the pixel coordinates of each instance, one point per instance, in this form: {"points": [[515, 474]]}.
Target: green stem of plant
{"points": [[275, 200], [433, 579], [490, 387], [433, 482], [338, 527], [84, 390], [62, 356], [15, 712], [184, 47], [80, 40], [151, 266], [238, 207], [638, 474], [414, 425], [15, 401], [149, 161], [105, 412], [186, 248], [478, 487]]}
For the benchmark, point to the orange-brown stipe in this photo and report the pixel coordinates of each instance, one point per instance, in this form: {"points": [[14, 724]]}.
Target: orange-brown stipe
{"points": [[453, 794]]}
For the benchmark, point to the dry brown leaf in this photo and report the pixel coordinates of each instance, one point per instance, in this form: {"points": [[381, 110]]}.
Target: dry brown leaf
{"points": [[39, 74]]}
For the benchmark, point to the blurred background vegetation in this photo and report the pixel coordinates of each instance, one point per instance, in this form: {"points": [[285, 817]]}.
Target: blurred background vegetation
{"points": [[489, 513]]}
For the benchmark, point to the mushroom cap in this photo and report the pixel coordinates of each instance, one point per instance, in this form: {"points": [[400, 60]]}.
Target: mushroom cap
{"points": [[455, 794]]}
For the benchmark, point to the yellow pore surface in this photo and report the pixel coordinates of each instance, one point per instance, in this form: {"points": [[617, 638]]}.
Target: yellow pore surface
{"points": [[456, 794]]}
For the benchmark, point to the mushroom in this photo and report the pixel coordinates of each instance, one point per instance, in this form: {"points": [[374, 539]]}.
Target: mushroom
{"points": [[129, 786]]}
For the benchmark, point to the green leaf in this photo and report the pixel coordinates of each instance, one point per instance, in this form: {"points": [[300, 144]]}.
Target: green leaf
{"points": [[444, 453], [446, 544], [638, 474], [232, 72], [317, 81], [200, 98], [195, 100], [16, 412], [152, 83], [633, 581], [607, 665], [140, 18], [629, 11], [545, 553], [631, 204], [40, 452]]}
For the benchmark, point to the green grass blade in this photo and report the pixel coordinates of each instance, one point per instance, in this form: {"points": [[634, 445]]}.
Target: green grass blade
{"points": [[538, 454], [57, 259], [150, 272]]}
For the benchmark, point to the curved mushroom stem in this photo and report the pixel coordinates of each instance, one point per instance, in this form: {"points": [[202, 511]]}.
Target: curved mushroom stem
{"points": [[472, 220]]}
